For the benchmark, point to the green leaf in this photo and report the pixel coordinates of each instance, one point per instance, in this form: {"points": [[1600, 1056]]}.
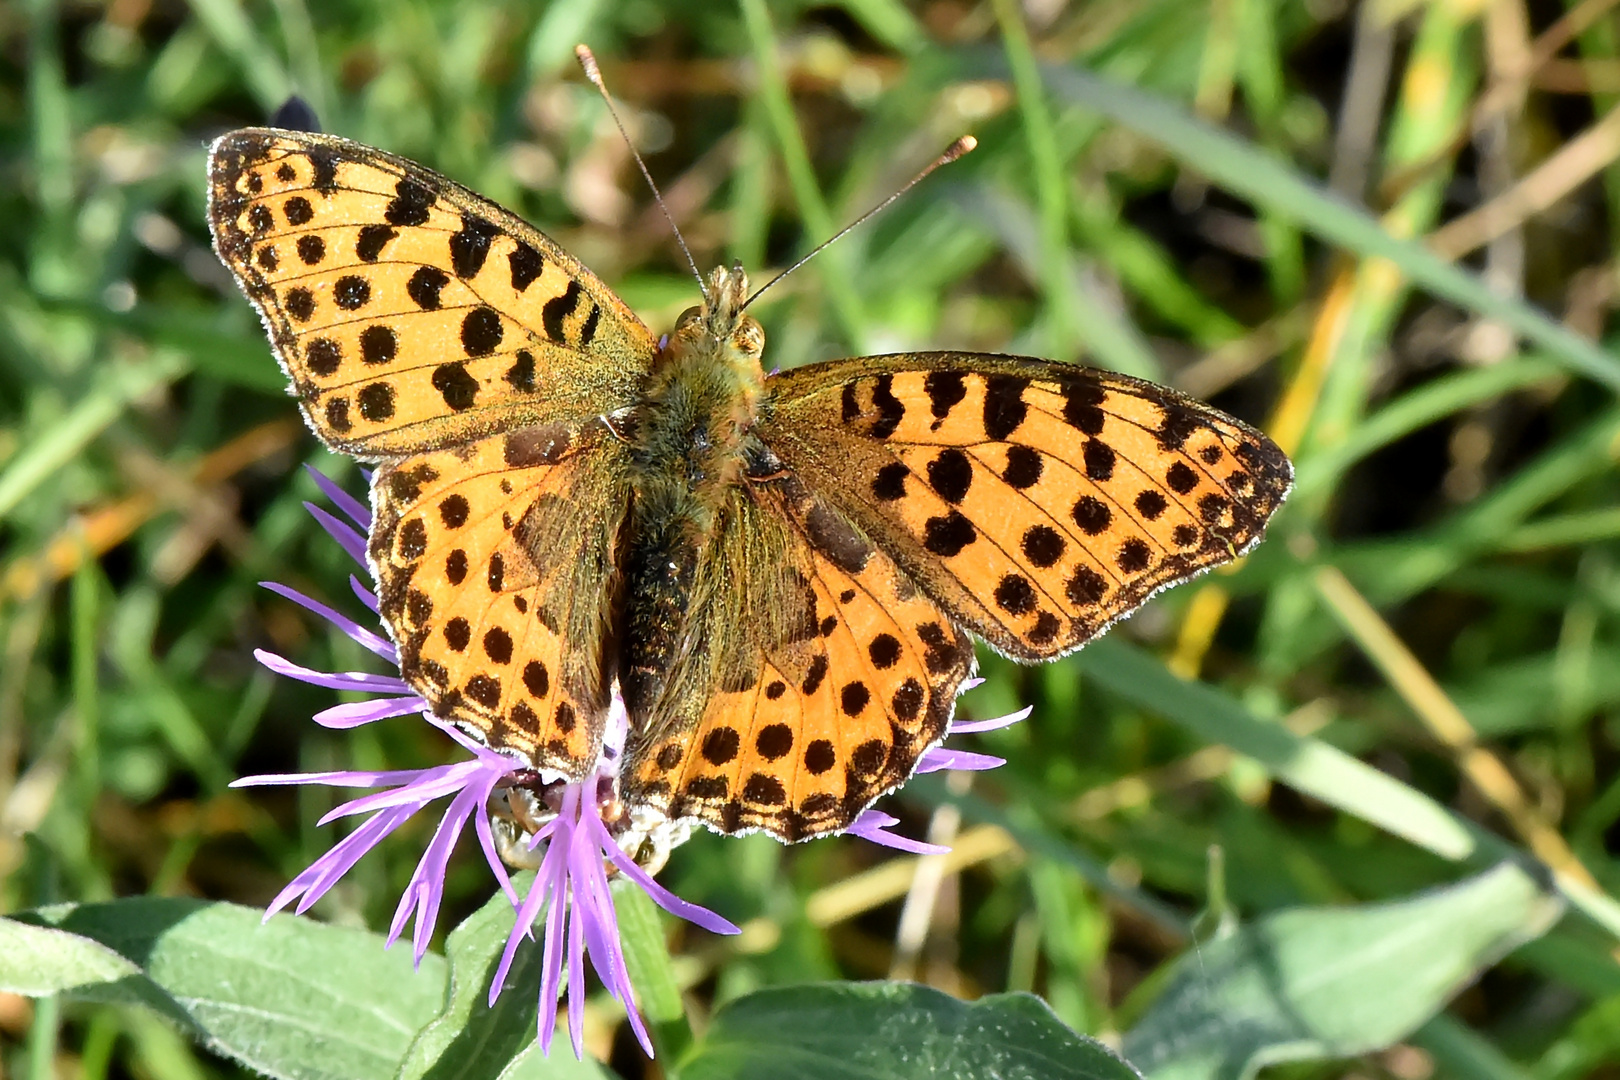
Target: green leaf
{"points": [[472, 1039], [1312, 983], [36, 960], [289, 998], [893, 1031]]}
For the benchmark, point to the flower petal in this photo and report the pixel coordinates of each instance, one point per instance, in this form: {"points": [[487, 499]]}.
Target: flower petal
{"points": [[353, 714], [365, 638], [365, 595], [942, 757], [345, 680], [349, 540], [873, 825], [682, 909], [965, 727], [340, 778], [351, 506]]}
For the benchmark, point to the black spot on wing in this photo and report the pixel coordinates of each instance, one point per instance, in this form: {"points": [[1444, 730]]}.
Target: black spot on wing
{"points": [[351, 292], [455, 385], [324, 356], [1099, 459], [376, 401], [1024, 467], [372, 240], [298, 210], [425, 285], [1004, 407], [300, 304], [337, 414], [526, 265], [520, 376], [378, 344], [947, 536], [587, 329], [951, 474], [410, 204], [1179, 422], [481, 331], [1082, 407], [890, 482], [890, 409], [557, 309], [945, 390], [470, 247], [323, 164]]}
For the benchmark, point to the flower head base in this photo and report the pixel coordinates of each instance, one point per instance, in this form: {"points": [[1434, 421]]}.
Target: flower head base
{"points": [[576, 833]]}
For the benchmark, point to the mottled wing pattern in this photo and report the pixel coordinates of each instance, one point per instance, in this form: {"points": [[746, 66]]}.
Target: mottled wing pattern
{"points": [[820, 674], [493, 561], [408, 312], [1036, 502]]}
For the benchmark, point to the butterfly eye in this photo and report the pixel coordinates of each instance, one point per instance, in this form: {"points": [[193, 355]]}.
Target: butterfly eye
{"points": [[688, 317]]}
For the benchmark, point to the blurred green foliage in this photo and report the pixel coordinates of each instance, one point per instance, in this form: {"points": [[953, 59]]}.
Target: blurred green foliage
{"points": [[1416, 675]]}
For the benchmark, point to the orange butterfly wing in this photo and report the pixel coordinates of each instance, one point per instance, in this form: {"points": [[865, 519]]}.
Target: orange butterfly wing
{"points": [[427, 328], [493, 563], [813, 692], [1036, 502], [919, 496], [409, 313]]}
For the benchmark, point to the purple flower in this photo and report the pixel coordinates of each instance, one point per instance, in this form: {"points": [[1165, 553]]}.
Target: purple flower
{"points": [[873, 824], [572, 831]]}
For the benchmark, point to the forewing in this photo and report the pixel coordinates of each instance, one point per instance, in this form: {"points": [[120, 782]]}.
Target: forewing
{"points": [[1036, 502], [493, 562], [409, 312], [818, 676]]}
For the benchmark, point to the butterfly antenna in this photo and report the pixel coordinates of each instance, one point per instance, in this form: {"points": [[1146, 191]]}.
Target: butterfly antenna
{"points": [[588, 61], [952, 152]]}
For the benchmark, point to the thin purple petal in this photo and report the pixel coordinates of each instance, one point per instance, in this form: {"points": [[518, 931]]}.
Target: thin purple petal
{"points": [[608, 961], [426, 888], [873, 825], [682, 909], [576, 982], [365, 595], [365, 638], [349, 540], [968, 727], [353, 714], [341, 778], [324, 871], [429, 784], [546, 879], [352, 507], [553, 953], [941, 757], [350, 851], [346, 680], [486, 840], [526, 915]]}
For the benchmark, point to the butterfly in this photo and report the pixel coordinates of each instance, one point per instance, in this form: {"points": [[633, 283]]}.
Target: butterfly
{"points": [[779, 573]]}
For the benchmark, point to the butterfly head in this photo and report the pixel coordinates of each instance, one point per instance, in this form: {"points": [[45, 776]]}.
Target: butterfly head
{"points": [[719, 327]]}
